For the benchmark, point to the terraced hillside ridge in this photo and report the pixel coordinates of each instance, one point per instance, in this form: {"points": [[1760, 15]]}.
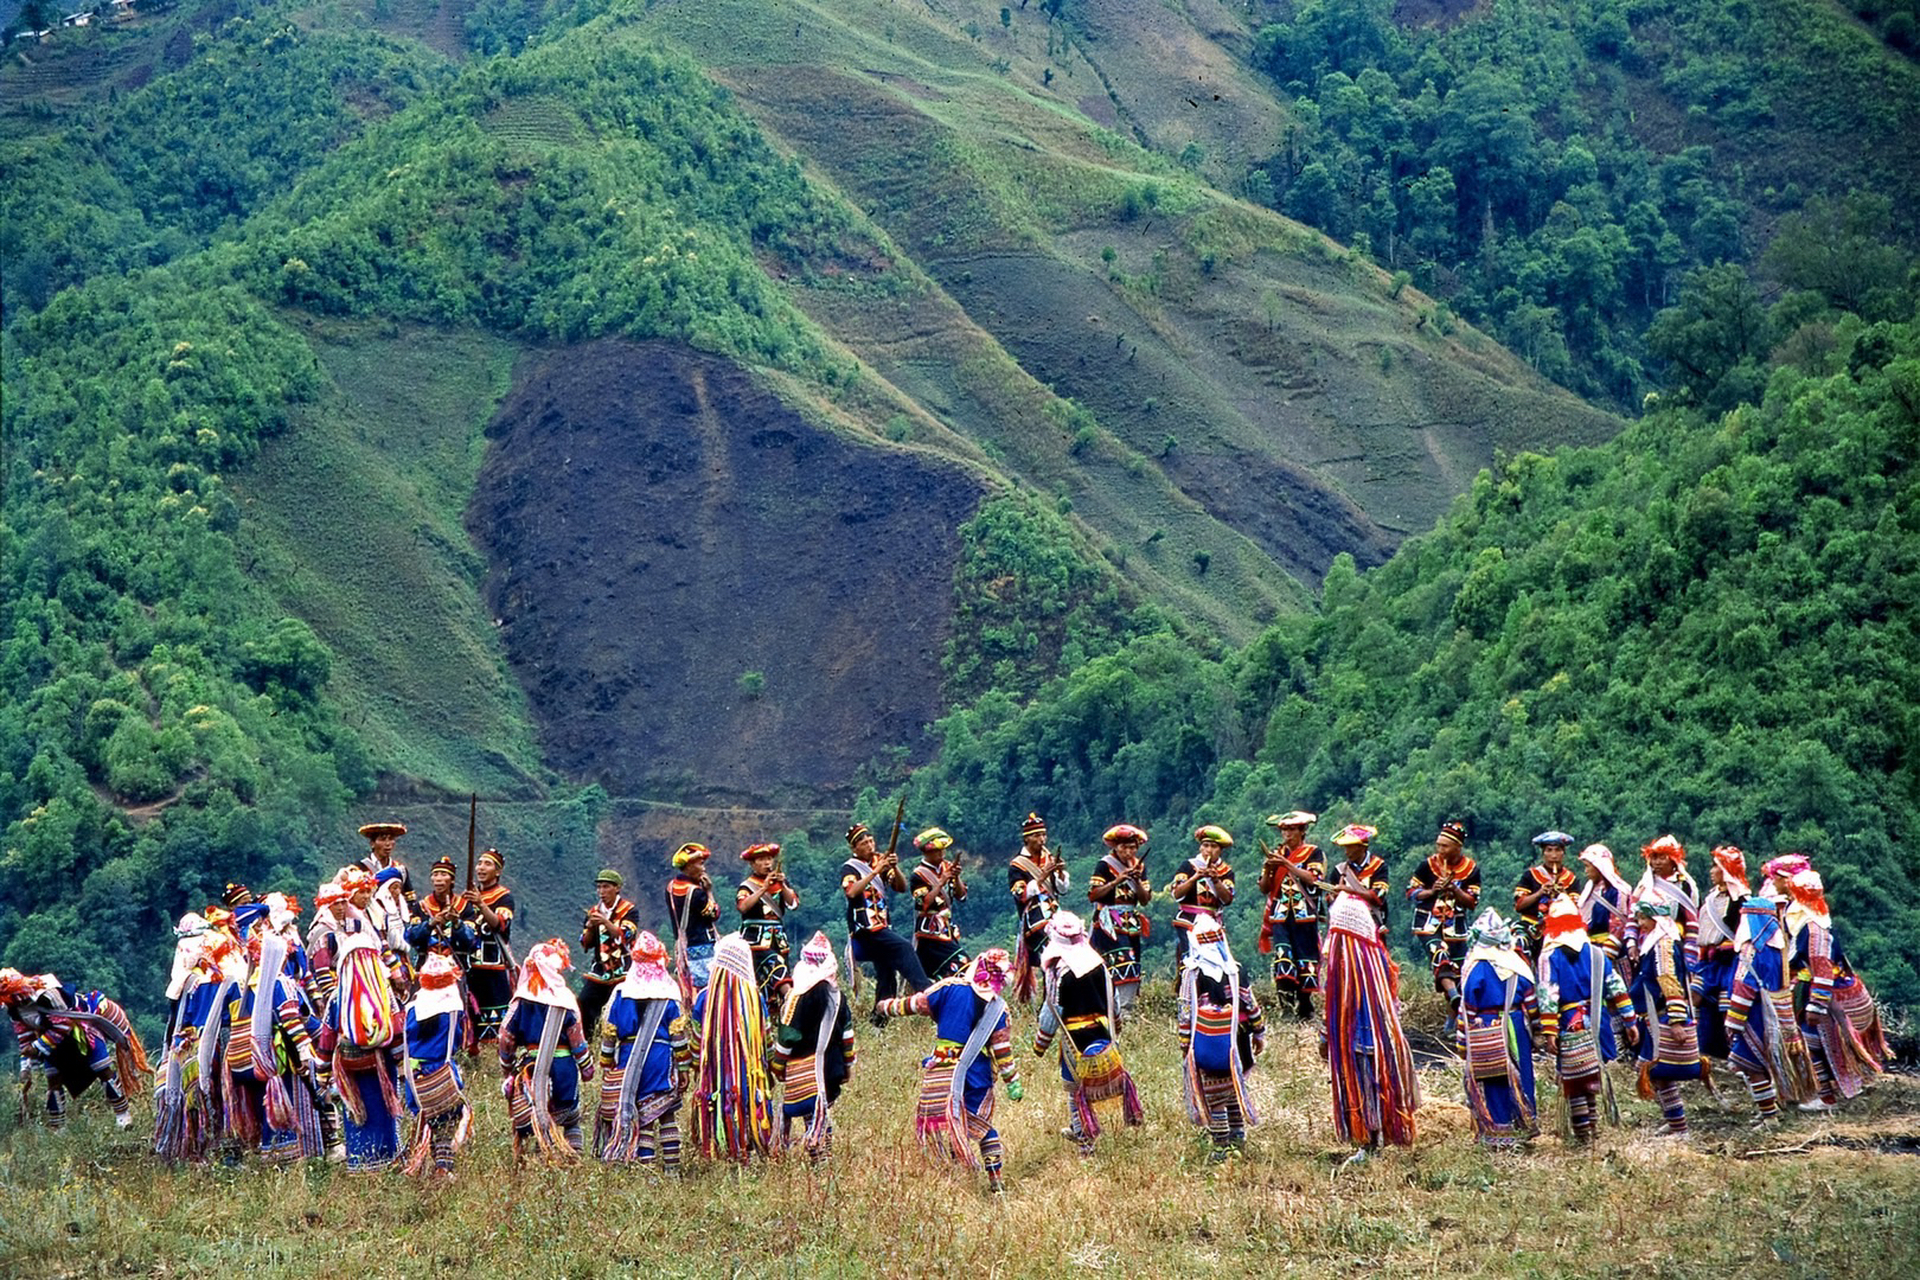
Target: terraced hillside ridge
{"points": [[704, 594], [1275, 383]]}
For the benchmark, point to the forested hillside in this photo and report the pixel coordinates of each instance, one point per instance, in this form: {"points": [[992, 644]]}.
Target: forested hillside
{"points": [[303, 305], [1706, 626]]}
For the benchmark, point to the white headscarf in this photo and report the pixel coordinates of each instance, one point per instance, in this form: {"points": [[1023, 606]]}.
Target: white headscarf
{"points": [[1067, 944], [817, 964], [1492, 941], [1207, 949]]}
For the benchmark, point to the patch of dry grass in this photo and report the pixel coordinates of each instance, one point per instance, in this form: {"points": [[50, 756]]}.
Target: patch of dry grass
{"points": [[90, 1202]]}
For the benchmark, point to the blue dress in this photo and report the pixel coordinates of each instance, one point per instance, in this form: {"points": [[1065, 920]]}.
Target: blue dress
{"points": [[1504, 1108]]}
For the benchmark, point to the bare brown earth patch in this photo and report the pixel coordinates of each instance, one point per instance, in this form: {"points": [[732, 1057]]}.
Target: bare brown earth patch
{"points": [[707, 597]]}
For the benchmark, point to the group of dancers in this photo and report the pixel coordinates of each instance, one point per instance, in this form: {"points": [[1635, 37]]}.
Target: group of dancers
{"points": [[351, 1039]]}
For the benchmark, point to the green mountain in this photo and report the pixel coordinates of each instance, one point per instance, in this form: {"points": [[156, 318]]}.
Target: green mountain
{"points": [[656, 426]]}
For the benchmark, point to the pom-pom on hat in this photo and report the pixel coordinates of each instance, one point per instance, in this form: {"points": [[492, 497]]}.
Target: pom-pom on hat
{"points": [[1667, 845], [856, 833], [932, 840], [1560, 838], [1355, 833], [765, 850], [1218, 835], [498, 859], [1034, 823], [374, 830], [1453, 831], [443, 863], [1122, 833], [1297, 818]]}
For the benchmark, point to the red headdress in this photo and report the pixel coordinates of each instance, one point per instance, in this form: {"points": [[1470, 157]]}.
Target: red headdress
{"points": [[1733, 865]]}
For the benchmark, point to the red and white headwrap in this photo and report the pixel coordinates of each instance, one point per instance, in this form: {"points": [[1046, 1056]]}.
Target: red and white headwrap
{"points": [[543, 976], [1563, 925], [1808, 902], [1733, 868], [1667, 845], [14, 986], [1787, 864], [647, 977], [439, 988]]}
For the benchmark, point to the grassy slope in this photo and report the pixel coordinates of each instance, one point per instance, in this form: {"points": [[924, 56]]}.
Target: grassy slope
{"points": [[90, 1202], [1245, 337], [353, 519]]}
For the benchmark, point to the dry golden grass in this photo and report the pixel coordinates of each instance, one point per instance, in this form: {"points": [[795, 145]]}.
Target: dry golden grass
{"points": [[90, 1202]]}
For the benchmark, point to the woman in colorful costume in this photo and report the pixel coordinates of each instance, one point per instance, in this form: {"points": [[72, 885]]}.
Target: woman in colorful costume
{"points": [[366, 1024], [1577, 989], [1670, 1048], [973, 1044], [1764, 1042], [1837, 1013], [1496, 1006], [1221, 1031], [1714, 956], [543, 1057], [1375, 1088], [436, 1090], [1667, 880], [189, 1113], [277, 1095], [814, 1054], [74, 1039], [1079, 1001], [643, 1064], [1605, 903], [732, 1094]]}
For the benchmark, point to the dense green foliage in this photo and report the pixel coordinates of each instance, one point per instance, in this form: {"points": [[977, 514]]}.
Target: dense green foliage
{"points": [[1707, 626], [164, 726], [1029, 601], [175, 162], [1518, 165]]}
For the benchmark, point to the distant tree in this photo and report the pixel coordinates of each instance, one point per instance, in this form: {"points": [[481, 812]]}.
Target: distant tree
{"points": [[1714, 337], [1838, 249]]}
